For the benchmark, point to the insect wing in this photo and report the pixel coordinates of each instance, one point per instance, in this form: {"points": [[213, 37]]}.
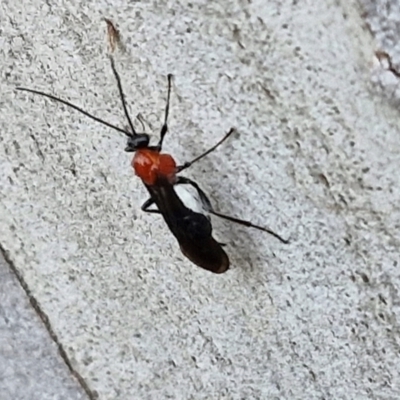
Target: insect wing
{"points": [[193, 230], [207, 254]]}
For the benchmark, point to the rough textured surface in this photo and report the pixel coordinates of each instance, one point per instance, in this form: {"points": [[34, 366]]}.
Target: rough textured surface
{"points": [[30, 367], [316, 159], [383, 19]]}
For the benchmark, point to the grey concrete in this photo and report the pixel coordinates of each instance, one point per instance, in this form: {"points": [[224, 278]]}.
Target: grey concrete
{"points": [[383, 19], [30, 366], [316, 158]]}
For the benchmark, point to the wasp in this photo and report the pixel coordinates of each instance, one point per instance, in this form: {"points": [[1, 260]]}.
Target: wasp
{"points": [[186, 216]]}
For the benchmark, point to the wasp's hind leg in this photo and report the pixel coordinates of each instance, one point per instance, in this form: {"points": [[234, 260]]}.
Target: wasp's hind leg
{"points": [[148, 203]]}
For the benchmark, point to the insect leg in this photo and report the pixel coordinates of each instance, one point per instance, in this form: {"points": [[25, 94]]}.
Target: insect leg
{"points": [[148, 203], [249, 224], [207, 203], [190, 163]]}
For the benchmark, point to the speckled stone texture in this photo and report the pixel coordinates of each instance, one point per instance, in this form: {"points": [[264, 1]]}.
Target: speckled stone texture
{"points": [[382, 18], [316, 159], [30, 366]]}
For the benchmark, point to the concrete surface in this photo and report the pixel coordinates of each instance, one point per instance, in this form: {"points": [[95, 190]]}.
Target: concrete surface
{"points": [[317, 158], [383, 20], [30, 366]]}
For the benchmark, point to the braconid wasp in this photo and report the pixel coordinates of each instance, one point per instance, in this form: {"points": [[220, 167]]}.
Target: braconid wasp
{"points": [[158, 171]]}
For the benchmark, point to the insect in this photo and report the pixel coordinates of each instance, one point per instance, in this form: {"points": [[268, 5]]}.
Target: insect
{"points": [[159, 173]]}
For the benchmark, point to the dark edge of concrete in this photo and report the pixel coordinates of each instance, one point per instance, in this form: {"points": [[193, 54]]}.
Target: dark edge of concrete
{"points": [[92, 395]]}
